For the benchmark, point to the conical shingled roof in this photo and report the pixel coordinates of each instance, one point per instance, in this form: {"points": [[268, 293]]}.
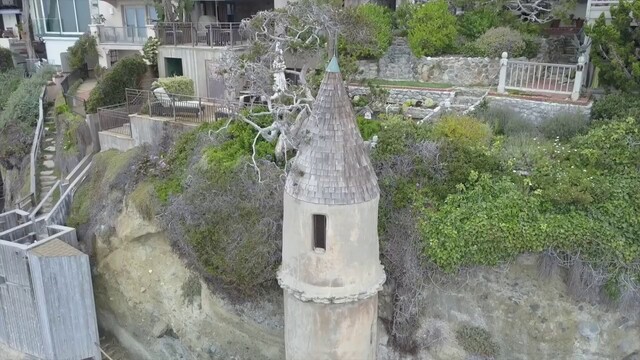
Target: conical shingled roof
{"points": [[332, 165]]}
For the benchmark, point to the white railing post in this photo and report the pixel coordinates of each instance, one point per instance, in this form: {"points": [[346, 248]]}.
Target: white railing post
{"points": [[577, 82], [502, 83]]}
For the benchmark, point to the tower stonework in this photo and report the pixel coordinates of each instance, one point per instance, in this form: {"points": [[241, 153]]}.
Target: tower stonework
{"points": [[331, 272]]}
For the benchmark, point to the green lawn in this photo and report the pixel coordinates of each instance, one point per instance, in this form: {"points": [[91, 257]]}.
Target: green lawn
{"points": [[409, 84]]}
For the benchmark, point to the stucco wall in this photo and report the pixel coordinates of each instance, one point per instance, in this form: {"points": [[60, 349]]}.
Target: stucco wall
{"points": [[193, 63], [331, 331], [57, 45], [152, 131], [538, 111], [109, 140], [10, 21]]}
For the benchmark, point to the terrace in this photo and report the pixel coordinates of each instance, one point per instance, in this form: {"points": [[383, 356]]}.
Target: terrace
{"points": [[146, 115], [214, 34]]}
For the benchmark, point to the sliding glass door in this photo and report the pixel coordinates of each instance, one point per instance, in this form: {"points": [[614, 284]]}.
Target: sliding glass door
{"points": [[135, 19]]}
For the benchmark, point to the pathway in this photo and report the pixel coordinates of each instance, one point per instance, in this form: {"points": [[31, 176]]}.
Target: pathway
{"points": [[84, 90], [46, 169]]}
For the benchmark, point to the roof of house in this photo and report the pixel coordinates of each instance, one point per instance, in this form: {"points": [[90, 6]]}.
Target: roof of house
{"points": [[332, 165]]}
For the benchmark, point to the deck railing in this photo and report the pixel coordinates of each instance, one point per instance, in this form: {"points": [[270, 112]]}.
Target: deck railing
{"points": [[115, 119], [200, 34], [122, 35], [178, 107], [561, 79]]}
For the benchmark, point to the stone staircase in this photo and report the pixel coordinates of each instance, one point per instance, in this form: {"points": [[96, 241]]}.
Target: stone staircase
{"points": [[47, 174], [465, 98]]}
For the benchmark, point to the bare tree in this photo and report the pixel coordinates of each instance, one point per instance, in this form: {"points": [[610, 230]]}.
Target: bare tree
{"points": [[295, 37], [535, 11]]}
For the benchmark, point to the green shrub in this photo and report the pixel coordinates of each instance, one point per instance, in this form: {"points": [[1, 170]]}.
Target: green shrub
{"points": [[10, 81], [477, 341], [110, 89], [70, 137], [505, 121], [180, 85], [23, 104], [498, 40], [191, 288], [474, 23], [6, 60], [432, 29], [144, 200], [379, 22], [150, 50], [402, 17], [532, 45], [564, 126], [463, 130], [85, 46], [616, 106], [368, 128]]}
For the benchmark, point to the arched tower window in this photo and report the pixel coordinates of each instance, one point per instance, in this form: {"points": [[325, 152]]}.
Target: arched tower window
{"points": [[319, 232]]}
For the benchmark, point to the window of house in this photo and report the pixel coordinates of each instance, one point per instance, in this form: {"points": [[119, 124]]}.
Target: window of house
{"points": [[66, 16], [319, 232], [152, 15]]}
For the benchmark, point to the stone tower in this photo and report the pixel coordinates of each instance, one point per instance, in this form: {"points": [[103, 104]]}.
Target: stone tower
{"points": [[331, 271]]}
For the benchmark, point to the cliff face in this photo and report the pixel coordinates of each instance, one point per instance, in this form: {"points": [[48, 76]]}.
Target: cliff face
{"points": [[158, 310]]}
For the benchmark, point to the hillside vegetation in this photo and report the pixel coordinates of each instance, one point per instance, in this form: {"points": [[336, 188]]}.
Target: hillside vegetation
{"points": [[463, 192]]}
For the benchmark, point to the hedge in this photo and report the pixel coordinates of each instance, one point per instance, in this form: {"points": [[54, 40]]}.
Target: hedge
{"points": [[432, 29], [180, 85], [6, 60], [110, 89]]}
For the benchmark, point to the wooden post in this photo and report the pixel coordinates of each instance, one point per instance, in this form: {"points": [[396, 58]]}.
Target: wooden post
{"points": [[502, 83], [577, 81]]}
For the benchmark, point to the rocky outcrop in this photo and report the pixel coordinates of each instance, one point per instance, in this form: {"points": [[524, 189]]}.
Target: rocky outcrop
{"points": [[145, 297], [525, 316]]}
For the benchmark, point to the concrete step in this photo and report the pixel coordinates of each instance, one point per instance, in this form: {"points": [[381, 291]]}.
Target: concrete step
{"points": [[46, 173], [465, 100], [48, 178], [50, 149], [49, 164]]}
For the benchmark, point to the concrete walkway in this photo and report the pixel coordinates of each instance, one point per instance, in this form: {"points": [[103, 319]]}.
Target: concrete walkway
{"points": [[85, 88], [47, 174]]}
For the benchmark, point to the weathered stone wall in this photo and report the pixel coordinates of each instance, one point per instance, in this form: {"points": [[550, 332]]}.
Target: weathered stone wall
{"points": [[537, 111], [458, 71], [401, 95], [399, 63]]}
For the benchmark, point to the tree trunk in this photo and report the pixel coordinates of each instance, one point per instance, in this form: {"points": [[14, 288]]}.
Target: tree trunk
{"points": [[26, 29]]}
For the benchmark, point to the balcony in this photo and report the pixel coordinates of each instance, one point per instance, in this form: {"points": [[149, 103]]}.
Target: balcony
{"points": [[10, 4], [122, 35], [597, 7], [201, 34]]}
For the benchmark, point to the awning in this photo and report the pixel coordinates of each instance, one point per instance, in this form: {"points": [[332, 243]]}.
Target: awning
{"points": [[10, 11]]}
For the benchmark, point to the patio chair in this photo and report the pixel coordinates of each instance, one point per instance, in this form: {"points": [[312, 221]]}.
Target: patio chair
{"points": [[169, 106]]}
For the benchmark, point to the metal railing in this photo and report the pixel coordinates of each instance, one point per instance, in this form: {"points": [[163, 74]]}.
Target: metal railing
{"points": [[561, 79], [35, 154], [201, 34], [76, 104], [182, 108], [122, 34], [115, 119]]}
